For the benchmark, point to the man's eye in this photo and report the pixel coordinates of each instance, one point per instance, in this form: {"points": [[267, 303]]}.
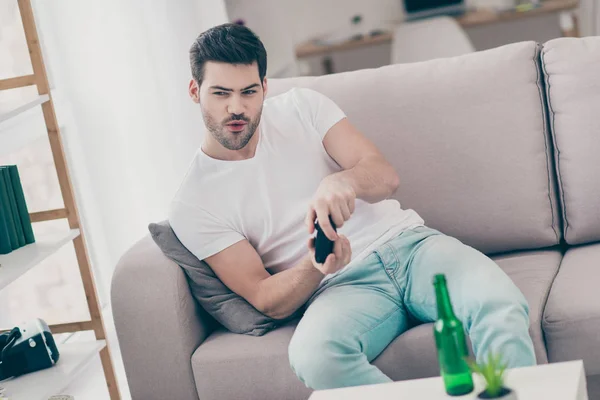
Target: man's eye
{"points": [[248, 92], [220, 93]]}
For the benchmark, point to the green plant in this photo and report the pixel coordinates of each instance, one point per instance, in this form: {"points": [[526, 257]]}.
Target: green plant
{"points": [[492, 372]]}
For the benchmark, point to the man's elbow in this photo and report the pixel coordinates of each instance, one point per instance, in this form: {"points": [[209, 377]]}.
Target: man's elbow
{"points": [[394, 182], [389, 177], [270, 310], [276, 314]]}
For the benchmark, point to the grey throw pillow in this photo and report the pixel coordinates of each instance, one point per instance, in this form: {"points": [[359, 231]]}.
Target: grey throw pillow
{"points": [[229, 309]]}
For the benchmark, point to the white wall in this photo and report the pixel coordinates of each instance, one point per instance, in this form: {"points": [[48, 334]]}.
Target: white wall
{"points": [[310, 18], [273, 30], [121, 70], [589, 17]]}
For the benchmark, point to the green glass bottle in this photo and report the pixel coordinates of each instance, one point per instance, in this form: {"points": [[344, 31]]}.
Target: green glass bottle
{"points": [[451, 343]]}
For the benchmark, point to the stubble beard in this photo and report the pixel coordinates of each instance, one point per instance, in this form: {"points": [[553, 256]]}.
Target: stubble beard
{"points": [[232, 140]]}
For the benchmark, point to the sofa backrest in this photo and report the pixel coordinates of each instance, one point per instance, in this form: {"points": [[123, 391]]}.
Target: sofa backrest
{"points": [[572, 73], [468, 136]]}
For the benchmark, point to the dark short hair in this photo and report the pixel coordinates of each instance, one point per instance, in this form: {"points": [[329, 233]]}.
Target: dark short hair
{"points": [[228, 43]]}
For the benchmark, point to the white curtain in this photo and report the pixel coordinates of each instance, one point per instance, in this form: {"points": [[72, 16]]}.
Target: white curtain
{"points": [[119, 71]]}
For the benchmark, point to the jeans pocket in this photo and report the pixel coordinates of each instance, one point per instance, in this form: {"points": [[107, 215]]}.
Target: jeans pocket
{"points": [[387, 257]]}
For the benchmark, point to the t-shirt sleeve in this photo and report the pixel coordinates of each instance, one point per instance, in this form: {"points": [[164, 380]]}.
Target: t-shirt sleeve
{"points": [[202, 233], [318, 110]]}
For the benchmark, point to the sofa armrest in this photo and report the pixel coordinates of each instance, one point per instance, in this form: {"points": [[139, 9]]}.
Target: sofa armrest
{"points": [[158, 323]]}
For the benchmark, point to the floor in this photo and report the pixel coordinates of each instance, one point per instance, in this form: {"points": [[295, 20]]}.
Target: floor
{"points": [[90, 383]]}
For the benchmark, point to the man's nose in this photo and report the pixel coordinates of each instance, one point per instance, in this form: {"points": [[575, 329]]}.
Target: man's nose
{"points": [[236, 105]]}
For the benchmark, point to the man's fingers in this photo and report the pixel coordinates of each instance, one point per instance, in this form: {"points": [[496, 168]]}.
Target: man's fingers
{"points": [[337, 217], [338, 249], [312, 254], [340, 256], [345, 209], [347, 251], [329, 263], [310, 220], [351, 205], [323, 219]]}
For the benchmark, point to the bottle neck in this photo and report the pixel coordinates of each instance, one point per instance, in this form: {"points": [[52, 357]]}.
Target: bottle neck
{"points": [[444, 305]]}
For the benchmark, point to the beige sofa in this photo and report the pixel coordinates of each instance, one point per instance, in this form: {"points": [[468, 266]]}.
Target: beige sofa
{"points": [[499, 148]]}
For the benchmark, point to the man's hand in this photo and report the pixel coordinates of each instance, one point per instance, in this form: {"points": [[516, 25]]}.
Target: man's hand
{"points": [[341, 256], [334, 197]]}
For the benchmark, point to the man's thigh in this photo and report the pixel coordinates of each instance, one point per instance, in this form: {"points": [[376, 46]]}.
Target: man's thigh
{"points": [[473, 279], [360, 311]]}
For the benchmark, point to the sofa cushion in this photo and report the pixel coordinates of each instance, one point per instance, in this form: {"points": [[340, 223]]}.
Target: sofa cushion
{"points": [[226, 365], [467, 136], [229, 309], [573, 86], [572, 317], [230, 366], [533, 272]]}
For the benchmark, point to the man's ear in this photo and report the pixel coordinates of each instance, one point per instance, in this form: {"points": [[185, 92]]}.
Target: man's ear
{"points": [[265, 86], [194, 91]]}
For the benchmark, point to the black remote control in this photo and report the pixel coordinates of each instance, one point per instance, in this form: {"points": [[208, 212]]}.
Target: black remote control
{"points": [[323, 246]]}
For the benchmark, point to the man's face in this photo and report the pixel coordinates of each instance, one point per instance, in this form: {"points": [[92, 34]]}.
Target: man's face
{"points": [[231, 98]]}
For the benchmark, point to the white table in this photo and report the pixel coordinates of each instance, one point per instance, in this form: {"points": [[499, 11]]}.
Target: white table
{"points": [[559, 381]]}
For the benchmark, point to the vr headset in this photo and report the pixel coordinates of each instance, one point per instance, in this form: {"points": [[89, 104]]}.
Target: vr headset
{"points": [[27, 348]]}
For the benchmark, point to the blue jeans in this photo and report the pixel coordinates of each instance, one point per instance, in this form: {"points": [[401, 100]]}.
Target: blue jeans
{"points": [[353, 317]]}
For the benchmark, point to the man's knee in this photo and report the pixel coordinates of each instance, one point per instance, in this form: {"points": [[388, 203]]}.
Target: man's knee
{"points": [[501, 324], [506, 304], [317, 362]]}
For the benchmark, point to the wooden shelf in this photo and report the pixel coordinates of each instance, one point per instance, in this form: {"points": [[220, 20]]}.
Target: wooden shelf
{"points": [[487, 16], [313, 48], [40, 385], [15, 264]]}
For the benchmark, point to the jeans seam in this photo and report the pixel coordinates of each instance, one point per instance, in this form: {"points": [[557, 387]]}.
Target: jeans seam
{"points": [[390, 273], [410, 260], [376, 325]]}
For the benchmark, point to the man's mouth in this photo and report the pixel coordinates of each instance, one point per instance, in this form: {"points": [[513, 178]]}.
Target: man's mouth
{"points": [[236, 126]]}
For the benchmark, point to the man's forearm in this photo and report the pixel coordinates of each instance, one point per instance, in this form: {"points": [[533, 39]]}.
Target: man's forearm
{"points": [[285, 292], [372, 178]]}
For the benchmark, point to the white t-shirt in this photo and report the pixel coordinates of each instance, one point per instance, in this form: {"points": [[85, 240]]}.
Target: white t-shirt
{"points": [[265, 199]]}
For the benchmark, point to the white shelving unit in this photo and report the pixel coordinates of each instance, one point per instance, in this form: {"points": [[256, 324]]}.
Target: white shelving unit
{"points": [[17, 263], [20, 127], [73, 358], [27, 106]]}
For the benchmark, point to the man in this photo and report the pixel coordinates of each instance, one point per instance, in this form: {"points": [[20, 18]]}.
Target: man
{"points": [[267, 169]]}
